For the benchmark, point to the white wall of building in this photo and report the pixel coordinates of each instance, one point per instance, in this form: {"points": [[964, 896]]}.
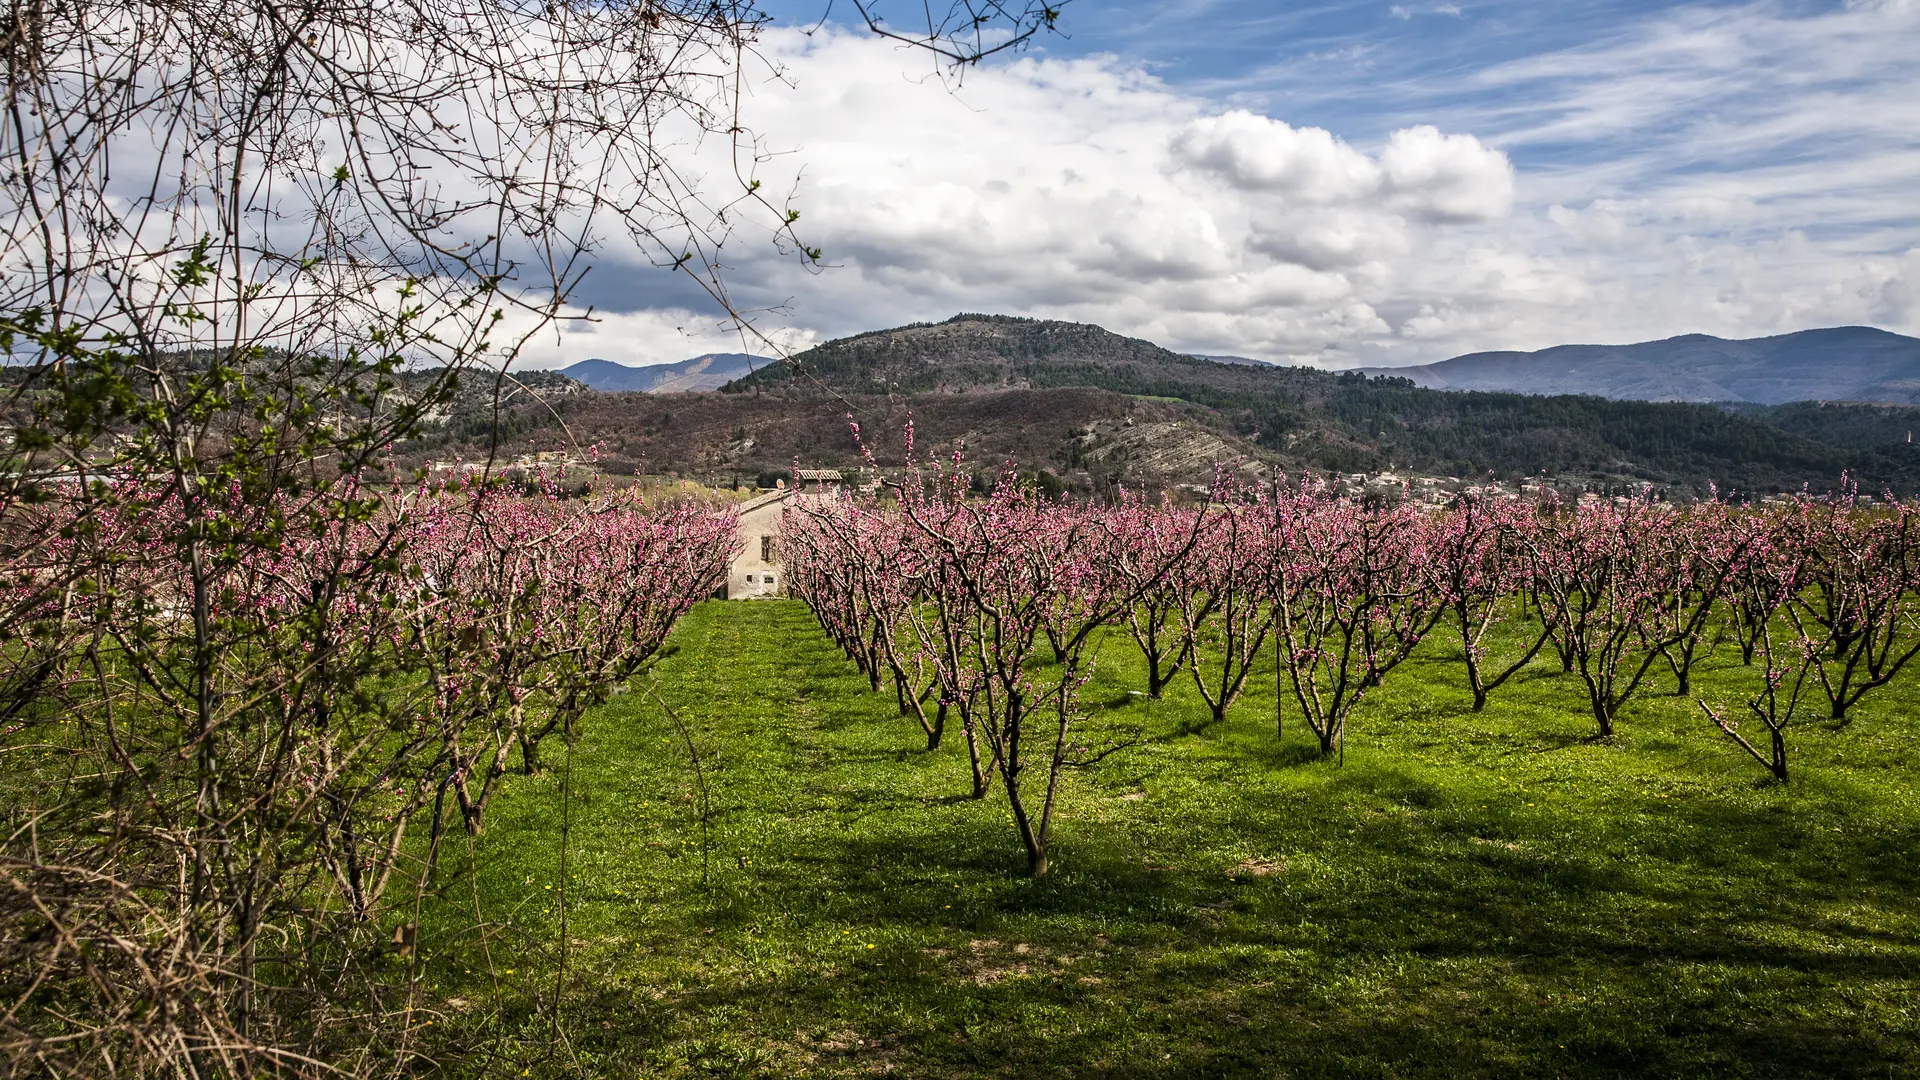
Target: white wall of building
{"points": [[756, 572]]}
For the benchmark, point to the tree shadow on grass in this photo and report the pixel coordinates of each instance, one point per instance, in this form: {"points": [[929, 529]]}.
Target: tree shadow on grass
{"points": [[1369, 921], [1441, 967], [1447, 956], [1291, 754]]}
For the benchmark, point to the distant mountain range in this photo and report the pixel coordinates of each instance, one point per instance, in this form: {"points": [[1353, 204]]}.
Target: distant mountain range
{"points": [[1099, 411], [1289, 418], [1844, 363], [708, 372]]}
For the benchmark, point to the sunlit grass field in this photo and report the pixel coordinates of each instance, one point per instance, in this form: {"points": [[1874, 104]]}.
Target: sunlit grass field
{"points": [[1467, 895]]}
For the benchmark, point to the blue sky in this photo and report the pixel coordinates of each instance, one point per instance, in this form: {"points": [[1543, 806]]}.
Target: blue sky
{"points": [[1338, 183], [1492, 68]]}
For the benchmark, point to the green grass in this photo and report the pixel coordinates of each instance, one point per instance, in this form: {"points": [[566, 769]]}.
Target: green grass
{"points": [[1469, 895]]}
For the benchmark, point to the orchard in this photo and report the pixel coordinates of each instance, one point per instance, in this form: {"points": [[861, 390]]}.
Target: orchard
{"points": [[324, 767], [240, 730], [983, 609]]}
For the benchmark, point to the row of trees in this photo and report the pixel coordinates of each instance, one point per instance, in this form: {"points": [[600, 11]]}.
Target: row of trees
{"points": [[238, 732], [245, 249], [984, 609]]}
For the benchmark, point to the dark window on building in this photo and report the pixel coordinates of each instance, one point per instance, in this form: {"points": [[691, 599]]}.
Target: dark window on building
{"points": [[766, 549]]}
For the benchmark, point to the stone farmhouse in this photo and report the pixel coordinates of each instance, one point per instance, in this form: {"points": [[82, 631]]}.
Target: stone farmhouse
{"points": [[756, 573]]}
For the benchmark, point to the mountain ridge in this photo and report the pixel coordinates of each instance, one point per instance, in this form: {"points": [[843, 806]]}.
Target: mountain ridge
{"points": [[1842, 363], [708, 371], [1096, 411], [1292, 418]]}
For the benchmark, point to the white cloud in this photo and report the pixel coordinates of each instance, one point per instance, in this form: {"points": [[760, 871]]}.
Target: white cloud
{"points": [[1737, 171], [1406, 14], [1446, 177], [1087, 189], [1258, 153]]}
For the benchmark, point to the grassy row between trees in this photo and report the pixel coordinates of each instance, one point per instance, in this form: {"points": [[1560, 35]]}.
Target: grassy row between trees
{"points": [[1469, 895]]}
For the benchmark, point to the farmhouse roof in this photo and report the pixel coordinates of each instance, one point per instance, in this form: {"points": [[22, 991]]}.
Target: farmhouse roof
{"points": [[763, 499]]}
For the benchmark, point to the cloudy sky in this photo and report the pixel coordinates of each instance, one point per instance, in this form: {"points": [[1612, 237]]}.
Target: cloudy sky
{"points": [[1332, 183]]}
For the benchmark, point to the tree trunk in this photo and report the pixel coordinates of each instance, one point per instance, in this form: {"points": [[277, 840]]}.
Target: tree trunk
{"points": [[1682, 667], [1327, 736], [1034, 840], [1279, 693], [973, 757]]}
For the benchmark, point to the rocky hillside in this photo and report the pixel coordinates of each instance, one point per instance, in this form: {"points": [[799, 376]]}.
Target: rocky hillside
{"points": [[1084, 438]]}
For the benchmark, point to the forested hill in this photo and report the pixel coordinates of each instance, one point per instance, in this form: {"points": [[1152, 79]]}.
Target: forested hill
{"points": [[971, 353], [1292, 417]]}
